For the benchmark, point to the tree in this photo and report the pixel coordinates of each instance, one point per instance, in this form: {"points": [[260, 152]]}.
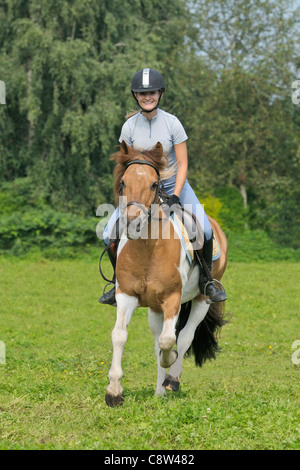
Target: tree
{"points": [[242, 128], [66, 65]]}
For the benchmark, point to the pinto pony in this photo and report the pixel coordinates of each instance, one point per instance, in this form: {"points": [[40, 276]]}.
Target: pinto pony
{"points": [[154, 272]]}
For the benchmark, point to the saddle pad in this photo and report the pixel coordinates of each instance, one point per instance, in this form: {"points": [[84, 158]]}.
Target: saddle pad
{"points": [[184, 238], [216, 250], [187, 244]]}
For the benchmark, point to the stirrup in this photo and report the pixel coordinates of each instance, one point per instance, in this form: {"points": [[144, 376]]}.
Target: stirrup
{"points": [[209, 301], [106, 303]]}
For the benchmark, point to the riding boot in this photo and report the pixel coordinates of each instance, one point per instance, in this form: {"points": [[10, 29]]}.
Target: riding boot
{"points": [[109, 297], [207, 284]]}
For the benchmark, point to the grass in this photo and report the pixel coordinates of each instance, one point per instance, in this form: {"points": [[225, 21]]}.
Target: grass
{"points": [[58, 353]]}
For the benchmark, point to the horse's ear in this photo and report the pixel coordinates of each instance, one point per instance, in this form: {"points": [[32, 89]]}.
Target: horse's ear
{"points": [[158, 150], [124, 148]]}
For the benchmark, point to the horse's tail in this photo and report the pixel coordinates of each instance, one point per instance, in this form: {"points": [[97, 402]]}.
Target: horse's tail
{"points": [[205, 343]]}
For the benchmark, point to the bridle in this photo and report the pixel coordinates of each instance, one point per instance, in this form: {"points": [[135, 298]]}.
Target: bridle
{"points": [[159, 187]]}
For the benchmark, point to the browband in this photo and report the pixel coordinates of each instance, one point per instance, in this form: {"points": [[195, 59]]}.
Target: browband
{"points": [[142, 162]]}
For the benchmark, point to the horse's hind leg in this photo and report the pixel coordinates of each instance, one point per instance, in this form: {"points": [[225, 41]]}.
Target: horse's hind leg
{"points": [[198, 311], [156, 326], [126, 305]]}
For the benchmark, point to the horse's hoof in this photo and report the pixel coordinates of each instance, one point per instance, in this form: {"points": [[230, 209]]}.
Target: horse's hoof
{"points": [[171, 383], [112, 400]]}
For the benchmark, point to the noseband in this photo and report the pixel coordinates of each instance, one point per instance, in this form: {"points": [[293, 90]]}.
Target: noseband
{"points": [[157, 191]]}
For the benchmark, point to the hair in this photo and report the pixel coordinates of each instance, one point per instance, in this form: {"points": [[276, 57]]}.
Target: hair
{"points": [[131, 113]]}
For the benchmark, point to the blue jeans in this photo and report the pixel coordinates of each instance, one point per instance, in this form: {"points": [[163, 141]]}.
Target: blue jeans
{"points": [[187, 198]]}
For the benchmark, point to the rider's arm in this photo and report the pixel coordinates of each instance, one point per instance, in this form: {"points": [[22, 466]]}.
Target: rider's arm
{"points": [[182, 166]]}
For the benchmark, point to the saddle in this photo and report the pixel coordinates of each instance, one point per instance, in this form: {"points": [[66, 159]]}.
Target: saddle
{"points": [[187, 244], [190, 232]]}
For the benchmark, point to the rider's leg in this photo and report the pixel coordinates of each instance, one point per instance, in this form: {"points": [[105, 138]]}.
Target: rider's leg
{"points": [[188, 197], [111, 238], [206, 282], [109, 297]]}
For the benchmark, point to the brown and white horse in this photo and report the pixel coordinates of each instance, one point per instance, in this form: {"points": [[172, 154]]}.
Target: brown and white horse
{"points": [[154, 272]]}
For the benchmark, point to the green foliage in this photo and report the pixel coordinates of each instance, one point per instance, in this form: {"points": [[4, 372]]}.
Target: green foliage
{"points": [[28, 224], [226, 207], [228, 68], [257, 246], [66, 66], [212, 206], [233, 214], [43, 229]]}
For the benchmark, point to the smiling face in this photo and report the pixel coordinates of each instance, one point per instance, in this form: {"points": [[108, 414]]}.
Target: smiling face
{"points": [[148, 100]]}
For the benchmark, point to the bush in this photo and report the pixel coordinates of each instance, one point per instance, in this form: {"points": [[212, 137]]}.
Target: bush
{"points": [[255, 245], [233, 215], [36, 228], [226, 207], [27, 225], [17, 195]]}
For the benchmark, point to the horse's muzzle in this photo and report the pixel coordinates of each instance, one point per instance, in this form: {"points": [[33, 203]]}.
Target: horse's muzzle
{"points": [[135, 222]]}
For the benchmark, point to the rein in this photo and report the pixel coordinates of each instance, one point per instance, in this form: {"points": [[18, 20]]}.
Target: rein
{"points": [[158, 192]]}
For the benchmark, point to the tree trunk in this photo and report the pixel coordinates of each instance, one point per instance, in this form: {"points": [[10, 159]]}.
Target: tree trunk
{"points": [[243, 192], [31, 130]]}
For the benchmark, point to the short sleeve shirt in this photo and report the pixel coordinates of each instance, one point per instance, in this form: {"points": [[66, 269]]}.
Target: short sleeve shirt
{"points": [[142, 133]]}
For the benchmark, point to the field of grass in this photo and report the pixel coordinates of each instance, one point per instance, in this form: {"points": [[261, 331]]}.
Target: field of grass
{"points": [[58, 353]]}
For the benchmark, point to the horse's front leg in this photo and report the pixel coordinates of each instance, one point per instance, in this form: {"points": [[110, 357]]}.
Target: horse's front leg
{"points": [[167, 338], [126, 305], [156, 326]]}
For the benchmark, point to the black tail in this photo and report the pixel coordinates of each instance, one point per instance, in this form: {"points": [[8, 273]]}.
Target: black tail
{"points": [[204, 345]]}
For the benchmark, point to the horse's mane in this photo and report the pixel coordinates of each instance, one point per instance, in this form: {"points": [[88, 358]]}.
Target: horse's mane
{"points": [[128, 154]]}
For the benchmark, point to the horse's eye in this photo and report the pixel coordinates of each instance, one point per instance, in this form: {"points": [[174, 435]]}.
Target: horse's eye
{"points": [[154, 185]]}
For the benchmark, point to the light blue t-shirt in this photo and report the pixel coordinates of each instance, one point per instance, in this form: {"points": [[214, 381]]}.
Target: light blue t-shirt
{"points": [[142, 133]]}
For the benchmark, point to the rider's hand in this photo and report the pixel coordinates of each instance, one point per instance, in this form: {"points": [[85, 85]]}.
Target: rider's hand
{"points": [[173, 200]]}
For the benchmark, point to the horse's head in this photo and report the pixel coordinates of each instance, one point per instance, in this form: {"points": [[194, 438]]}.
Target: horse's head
{"points": [[137, 180]]}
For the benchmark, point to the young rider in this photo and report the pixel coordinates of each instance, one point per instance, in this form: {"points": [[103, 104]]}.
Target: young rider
{"points": [[143, 130]]}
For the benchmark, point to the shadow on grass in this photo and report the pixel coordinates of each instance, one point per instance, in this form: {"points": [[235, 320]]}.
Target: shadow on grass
{"points": [[148, 393]]}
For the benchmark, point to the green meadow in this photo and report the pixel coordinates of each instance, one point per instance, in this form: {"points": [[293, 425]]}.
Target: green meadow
{"points": [[58, 354]]}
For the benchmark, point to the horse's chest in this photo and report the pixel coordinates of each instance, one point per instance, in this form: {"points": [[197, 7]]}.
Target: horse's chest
{"points": [[149, 282], [152, 292], [149, 274]]}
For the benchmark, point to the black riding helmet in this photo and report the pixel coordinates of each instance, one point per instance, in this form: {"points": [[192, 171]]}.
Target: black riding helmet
{"points": [[147, 80]]}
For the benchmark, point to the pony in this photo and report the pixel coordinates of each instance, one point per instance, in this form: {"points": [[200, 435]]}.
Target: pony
{"points": [[154, 272]]}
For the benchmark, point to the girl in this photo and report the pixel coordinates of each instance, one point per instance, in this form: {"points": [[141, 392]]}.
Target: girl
{"points": [[143, 130]]}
